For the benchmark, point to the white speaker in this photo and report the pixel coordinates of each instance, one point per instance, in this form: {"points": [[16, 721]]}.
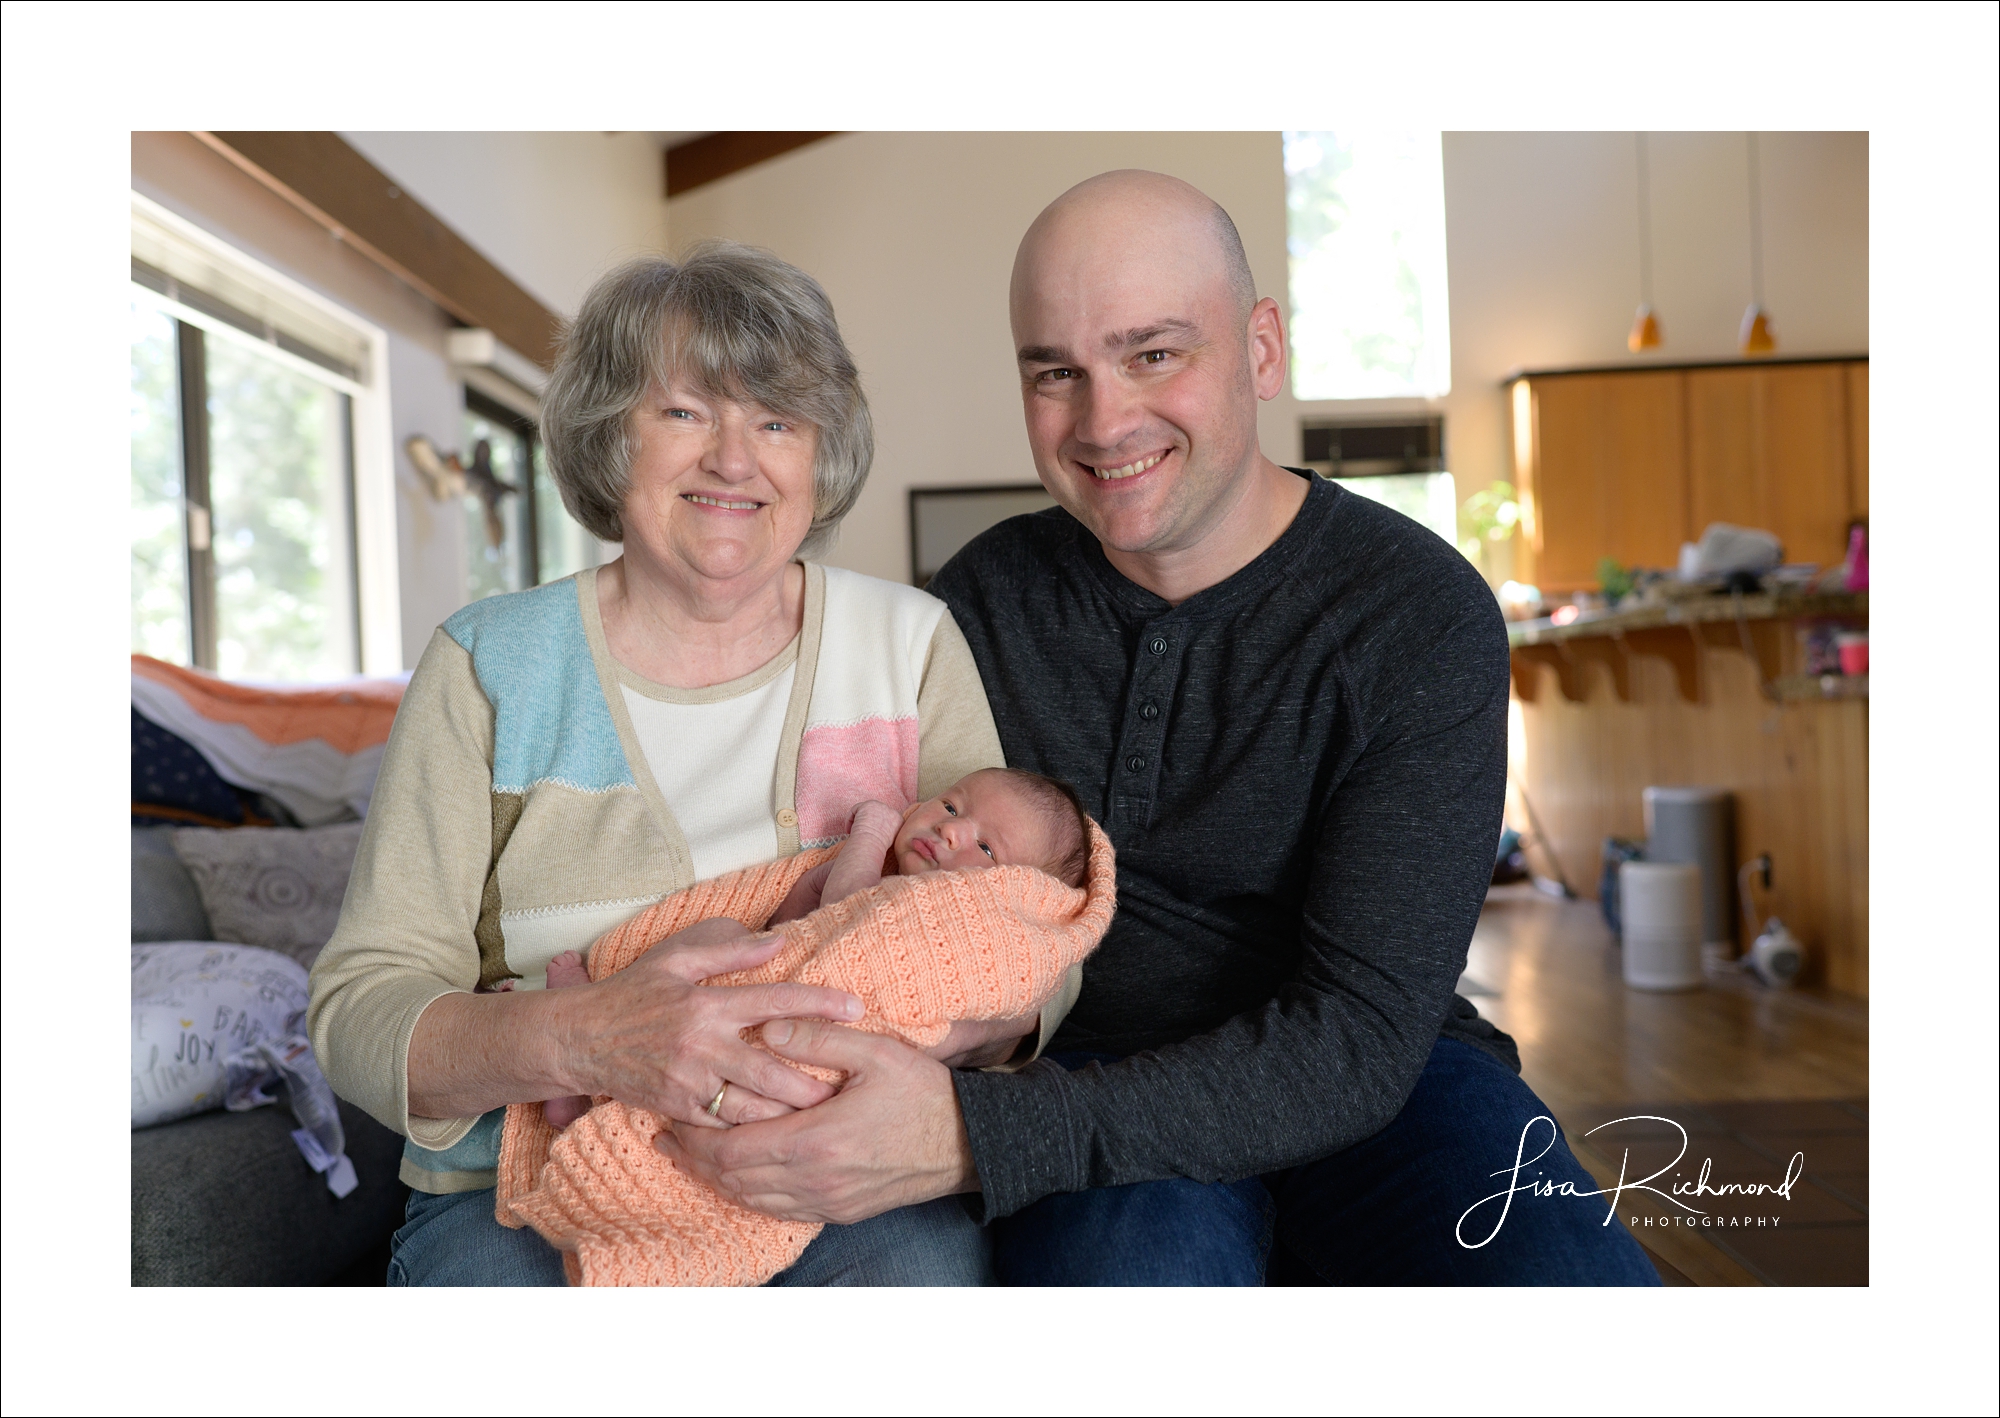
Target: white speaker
{"points": [[1660, 906]]}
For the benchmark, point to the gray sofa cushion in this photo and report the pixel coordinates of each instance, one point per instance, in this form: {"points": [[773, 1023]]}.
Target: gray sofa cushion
{"points": [[165, 903], [226, 1199], [275, 887]]}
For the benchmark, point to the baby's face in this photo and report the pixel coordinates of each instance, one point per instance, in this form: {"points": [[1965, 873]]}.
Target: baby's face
{"points": [[980, 821]]}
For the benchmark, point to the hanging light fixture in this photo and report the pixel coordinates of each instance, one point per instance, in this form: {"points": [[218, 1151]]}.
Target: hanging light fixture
{"points": [[1755, 336], [1645, 325]]}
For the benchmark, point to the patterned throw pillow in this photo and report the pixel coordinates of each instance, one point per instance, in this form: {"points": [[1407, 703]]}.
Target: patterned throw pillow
{"points": [[277, 887]]}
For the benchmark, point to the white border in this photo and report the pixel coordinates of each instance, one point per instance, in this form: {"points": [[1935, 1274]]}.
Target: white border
{"points": [[1920, 77]]}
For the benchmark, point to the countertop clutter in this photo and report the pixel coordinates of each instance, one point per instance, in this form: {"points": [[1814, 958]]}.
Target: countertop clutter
{"points": [[1705, 606]]}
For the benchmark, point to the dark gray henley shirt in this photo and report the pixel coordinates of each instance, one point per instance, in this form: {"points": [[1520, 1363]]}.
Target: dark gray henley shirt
{"points": [[1302, 769]]}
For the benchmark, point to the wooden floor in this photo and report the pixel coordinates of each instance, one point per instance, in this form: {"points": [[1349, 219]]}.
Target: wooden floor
{"points": [[1752, 1070]]}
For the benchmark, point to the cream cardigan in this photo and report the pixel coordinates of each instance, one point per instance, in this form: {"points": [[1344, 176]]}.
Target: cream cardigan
{"points": [[516, 817]]}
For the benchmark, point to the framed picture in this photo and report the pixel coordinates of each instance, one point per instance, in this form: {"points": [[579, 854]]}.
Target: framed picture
{"points": [[943, 519]]}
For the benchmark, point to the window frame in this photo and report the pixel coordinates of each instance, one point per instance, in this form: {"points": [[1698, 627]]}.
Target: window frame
{"points": [[293, 312], [481, 404]]}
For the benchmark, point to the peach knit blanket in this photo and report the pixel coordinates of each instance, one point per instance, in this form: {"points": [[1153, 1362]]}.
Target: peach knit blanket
{"points": [[919, 951]]}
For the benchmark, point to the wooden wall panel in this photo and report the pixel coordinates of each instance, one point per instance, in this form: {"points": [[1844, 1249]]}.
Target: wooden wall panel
{"points": [[1857, 438], [1563, 485], [1608, 476], [1641, 458], [1802, 444], [1723, 481], [1799, 772], [1769, 448]]}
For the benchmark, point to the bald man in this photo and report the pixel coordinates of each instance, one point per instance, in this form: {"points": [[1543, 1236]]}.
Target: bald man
{"points": [[1287, 705]]}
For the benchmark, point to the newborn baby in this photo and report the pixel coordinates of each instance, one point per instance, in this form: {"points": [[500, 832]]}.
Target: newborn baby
{"points": [[995, 817]]}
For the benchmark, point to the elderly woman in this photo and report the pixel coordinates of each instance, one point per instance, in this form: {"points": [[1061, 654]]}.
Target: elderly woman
{"points": [[568, 755]]}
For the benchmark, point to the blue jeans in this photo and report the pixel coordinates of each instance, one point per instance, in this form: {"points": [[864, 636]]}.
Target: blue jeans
{"points": [[1384, 1212], [454, 1240]]}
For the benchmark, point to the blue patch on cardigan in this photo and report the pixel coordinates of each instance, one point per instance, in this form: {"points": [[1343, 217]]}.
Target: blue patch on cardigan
{"points": [[477, 1151], [550, 721]]}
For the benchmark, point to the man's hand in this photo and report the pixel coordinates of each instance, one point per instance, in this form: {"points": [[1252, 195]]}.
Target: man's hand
{"points": [[891, 1137]]}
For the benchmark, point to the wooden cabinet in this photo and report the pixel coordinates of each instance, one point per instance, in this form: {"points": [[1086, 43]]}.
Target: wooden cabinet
{"points": [[1857, 438], [1609, 474], [1631, 463], [1767, 447]]}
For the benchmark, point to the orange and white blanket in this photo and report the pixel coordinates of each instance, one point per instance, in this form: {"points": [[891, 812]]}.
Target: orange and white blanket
{"points": [[315, 748], [920, 952]]}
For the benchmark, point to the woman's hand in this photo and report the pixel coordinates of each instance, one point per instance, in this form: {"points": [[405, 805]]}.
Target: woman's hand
{"points": [[655, 1037], [652, 1035], [979, 1043]]}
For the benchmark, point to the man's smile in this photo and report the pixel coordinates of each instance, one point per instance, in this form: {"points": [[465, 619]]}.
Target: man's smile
{"points": [[1129, 470]]}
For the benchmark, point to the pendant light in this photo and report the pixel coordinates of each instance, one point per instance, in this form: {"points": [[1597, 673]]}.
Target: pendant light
{"points": [[1645, 325], [1755, 336]]}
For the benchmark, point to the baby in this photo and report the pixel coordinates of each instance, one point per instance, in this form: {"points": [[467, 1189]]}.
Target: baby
{"points": [[994, 817]]}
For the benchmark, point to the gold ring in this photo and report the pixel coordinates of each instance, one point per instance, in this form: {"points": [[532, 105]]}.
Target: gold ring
{"points": [[715, 1103]]}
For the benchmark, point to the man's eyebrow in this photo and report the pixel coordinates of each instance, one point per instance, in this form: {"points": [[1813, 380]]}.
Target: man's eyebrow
{"points": [[1146, 334], [1117, 340]]}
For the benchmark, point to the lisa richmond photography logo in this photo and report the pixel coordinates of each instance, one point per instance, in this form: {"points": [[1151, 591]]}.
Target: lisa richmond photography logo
{"points": [[1695, 1192]]}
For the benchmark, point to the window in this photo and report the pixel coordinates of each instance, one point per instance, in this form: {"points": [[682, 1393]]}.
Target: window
{"points": [[1399, 464], [1365, 232], [517, 532], [242, 491]]}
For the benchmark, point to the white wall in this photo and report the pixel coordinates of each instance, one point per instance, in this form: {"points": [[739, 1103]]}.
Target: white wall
{"points": [[552, 210], [913, 235]]}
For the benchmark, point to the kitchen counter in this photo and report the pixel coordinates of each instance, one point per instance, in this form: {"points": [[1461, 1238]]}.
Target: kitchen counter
{"points": [[1678, 629], [1693, 610]]}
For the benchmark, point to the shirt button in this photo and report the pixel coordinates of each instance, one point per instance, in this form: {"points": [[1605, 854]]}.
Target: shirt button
{"points": [[787, 818], [1136, 762], [1149, 710], [1159, 645]]}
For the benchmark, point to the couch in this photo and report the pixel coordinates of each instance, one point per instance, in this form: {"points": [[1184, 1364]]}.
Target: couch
{"points": [[225, 1198]]}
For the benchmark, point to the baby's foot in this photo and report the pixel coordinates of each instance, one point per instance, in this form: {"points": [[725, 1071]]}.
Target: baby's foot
{"points": [[566, 970], [876, 825], [862, 856]]}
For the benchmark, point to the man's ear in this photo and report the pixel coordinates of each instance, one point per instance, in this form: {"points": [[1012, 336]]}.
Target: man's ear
{"points": [[1269, 356]]}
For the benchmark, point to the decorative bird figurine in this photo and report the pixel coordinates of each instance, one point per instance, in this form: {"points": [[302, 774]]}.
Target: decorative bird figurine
{"points": [[446, 476], [443, 474]]}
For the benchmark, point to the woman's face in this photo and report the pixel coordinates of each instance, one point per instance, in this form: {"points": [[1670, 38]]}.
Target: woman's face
{"points": [[719, 489]]}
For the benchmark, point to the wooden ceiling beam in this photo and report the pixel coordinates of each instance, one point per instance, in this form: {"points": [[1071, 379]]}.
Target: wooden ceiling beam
{"points": [[321, 175], [700, 161]]}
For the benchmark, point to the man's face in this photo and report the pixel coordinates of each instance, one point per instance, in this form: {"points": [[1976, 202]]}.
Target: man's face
{"points": [[1136, 381]]}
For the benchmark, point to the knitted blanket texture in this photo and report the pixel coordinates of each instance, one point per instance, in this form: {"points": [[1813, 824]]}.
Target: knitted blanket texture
{"points": [[919, 951]]}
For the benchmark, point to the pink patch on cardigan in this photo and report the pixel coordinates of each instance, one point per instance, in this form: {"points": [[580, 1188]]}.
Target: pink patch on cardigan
{"points": [[844, 764]]}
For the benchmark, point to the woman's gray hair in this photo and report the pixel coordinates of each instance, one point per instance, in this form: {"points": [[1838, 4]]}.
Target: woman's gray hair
{"points": [[736, 323]]}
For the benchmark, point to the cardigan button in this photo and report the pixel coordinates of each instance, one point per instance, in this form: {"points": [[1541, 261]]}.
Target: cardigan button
{"points": [[787, 818], [1159, 645]]}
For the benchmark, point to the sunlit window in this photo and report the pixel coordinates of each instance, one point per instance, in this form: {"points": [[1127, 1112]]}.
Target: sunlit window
{"points": [[241, 511], [1365, 232]]}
